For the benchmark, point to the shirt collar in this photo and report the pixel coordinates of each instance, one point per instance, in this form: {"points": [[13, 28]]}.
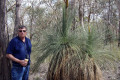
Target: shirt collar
{"points": [[20, 39]]}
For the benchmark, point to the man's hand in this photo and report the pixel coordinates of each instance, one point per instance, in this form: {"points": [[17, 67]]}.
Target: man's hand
{"points": [[23, 62]]}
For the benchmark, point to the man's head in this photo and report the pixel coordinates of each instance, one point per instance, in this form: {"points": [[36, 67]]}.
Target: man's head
{"points": [[22, 31]]}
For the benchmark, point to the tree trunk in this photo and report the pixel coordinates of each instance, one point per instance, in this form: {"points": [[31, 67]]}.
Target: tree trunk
{"points": [[108, 37], [81, 13], [17, 18], [5, 66], [119, 31], [31, 23], [72, 9], [31, 29], [118, 5]]}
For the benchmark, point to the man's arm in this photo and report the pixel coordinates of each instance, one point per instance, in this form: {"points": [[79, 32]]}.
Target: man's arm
{"points": [[11, 57]]}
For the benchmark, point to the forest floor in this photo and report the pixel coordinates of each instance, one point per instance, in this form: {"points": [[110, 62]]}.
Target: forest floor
{"points": [[107, 74]]}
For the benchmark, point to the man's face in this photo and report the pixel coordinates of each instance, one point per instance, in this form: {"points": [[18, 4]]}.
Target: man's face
{"points": [[22, 32]]}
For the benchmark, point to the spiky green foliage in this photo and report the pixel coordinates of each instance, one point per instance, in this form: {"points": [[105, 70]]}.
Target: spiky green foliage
{"points": [[80, 41], [56, 41], [69, 49]]}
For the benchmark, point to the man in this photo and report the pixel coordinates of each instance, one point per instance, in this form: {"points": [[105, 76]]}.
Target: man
{"points": [[18, 51]]}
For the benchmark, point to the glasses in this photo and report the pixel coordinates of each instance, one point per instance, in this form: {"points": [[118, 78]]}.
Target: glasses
{"points": [[22, 30]]}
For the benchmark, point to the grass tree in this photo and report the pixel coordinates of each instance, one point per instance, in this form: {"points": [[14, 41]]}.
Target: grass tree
{"points": [[72, 57]]}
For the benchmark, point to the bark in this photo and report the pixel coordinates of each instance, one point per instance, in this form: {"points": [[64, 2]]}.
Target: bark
{"points": [[5, 66], [31, 24], [11, 8], [31, 28], [119, 31], [72, 3], [108, 36], [118, 5], [17, 18], [81, 13]]}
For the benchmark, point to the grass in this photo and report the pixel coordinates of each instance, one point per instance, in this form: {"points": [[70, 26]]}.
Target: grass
{"points": [[108, 56]]}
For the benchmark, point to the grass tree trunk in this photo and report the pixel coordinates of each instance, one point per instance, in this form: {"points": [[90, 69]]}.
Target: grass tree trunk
{"points": [[4, 63], [66, 65]]}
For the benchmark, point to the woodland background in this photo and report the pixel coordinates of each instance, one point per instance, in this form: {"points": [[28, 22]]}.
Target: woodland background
{"points": [[42, 17]]}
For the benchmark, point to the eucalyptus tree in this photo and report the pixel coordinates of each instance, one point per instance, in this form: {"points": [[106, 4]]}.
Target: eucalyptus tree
{"points": [[31, 23], [17, 17], [118, 2], [37, 21], [42, 16], [4, 63], [73, 6], [104, 12], [81, 13], [109, 19]]}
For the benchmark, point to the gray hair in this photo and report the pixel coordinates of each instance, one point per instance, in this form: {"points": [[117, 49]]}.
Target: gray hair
{"points": [[22, 26]]}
